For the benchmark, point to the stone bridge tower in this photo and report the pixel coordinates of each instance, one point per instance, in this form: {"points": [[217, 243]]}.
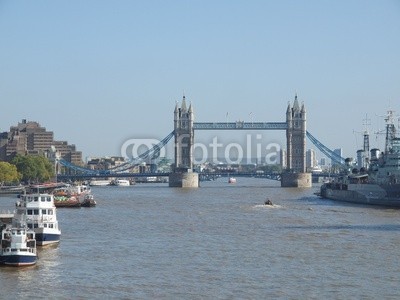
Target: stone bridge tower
{"points": [[184, 137], [296, 137], [295, 175], [182, 174]]}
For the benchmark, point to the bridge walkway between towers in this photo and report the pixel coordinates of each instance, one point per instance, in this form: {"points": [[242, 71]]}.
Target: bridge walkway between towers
{"points": [[239, 125]]}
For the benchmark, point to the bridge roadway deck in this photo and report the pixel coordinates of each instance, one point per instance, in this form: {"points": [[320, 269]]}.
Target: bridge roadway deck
{"points": [[239, 125]]}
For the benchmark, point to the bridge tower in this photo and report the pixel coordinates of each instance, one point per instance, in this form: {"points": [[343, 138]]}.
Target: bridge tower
{"points": [[182, 174], [296, 137], [295, 175]]}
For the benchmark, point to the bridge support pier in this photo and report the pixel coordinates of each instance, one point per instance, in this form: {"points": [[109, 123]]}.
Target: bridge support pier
{"points": [[184, 180], [298, 180]]}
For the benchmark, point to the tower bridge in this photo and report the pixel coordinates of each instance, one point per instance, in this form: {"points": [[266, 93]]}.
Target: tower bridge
{"points": [[295, 127], [183, 175]]}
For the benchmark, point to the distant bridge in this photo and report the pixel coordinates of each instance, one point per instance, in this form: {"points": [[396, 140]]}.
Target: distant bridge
{"points": [[184, 127], [120, 171], [203, 175]]}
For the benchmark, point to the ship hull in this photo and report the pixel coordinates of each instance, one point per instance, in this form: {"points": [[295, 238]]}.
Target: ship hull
{"points": [[43, 239], [367, 194], [19, 260]]}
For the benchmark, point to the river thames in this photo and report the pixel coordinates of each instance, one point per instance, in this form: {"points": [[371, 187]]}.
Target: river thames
{"points": [[219, 241]]}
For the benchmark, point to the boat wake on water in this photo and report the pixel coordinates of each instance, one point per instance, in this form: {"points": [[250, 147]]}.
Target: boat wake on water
{"points": [[267, 206]]}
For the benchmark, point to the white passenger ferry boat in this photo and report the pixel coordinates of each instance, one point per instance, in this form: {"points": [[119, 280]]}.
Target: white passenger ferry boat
{"points": [[122, 182], [99, 182], [18, 246], [39, 213]]}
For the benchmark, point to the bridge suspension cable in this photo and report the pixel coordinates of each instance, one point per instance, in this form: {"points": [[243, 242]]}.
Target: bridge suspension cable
{"points": [[329, 153], [149, 153], [69, 165], [152, 152]]}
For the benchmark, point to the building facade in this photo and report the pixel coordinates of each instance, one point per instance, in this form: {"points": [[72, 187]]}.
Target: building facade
{"points": [[29, 137], [311, 158], [338, 152]]}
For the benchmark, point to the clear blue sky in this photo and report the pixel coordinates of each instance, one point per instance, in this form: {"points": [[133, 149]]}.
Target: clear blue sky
{"points": [[100, 72]]}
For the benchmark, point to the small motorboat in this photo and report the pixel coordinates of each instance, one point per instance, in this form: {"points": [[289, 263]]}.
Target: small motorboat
{"points": [[268, 202], [88, 201], [232, 180]]}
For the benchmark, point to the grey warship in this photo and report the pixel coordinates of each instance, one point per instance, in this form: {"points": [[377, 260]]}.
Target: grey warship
{"points": [[378, 183]]}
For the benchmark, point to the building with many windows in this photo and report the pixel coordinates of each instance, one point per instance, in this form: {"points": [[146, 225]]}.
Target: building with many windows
{"points": [[339, 152], [311, 158], [29, 137]]}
